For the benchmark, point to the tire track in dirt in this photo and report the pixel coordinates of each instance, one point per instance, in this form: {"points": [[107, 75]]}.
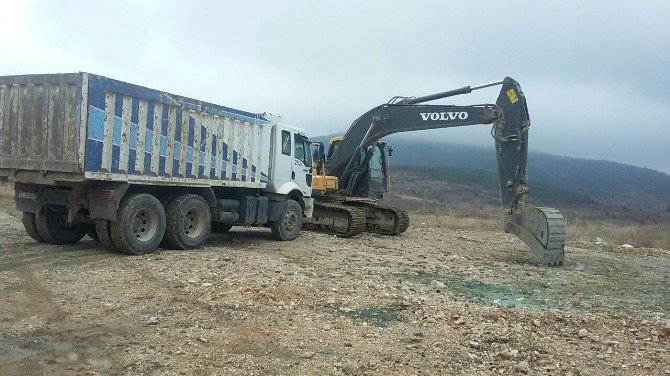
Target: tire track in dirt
{"points": [[61, 343]]}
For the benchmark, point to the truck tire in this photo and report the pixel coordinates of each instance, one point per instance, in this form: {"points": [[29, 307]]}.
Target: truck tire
{"points": [[91, 232], [31, 227], [288, 226], [188, 221], [140, 224], [104, 231], [220, 228], [165, 201], [54, 229]]}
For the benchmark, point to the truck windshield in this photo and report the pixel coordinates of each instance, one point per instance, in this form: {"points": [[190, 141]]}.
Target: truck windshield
{"points": [[303, 150]]}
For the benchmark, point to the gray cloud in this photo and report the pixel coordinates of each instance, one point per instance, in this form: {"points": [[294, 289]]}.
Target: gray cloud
{"points": [[595, 73]]}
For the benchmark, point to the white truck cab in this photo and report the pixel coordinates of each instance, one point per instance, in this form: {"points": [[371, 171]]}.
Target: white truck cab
{"points": [[291, 164]]}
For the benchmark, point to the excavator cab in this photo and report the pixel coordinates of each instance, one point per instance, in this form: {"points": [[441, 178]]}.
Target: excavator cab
{"points": [[373, 181]]}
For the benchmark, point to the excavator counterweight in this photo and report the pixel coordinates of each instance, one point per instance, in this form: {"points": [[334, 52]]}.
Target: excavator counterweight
{"points": [[358, 164]]}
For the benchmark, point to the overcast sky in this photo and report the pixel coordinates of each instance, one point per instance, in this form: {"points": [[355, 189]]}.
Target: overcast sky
{"points": [[596, 74]]}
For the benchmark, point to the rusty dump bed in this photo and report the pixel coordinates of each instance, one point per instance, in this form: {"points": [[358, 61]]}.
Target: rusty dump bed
{"points": [[40, 122], [81, 126]]}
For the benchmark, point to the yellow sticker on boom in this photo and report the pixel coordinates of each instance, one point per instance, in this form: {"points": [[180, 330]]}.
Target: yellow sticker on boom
{"points": [[512, 96]]}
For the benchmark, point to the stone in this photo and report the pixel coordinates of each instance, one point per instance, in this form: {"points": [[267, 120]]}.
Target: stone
{"points": [[153, 320], [583, 333], [437, 284], [522, 366]]}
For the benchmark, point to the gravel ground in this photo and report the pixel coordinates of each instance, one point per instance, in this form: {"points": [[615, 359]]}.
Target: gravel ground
{"points": [[431, 301]]}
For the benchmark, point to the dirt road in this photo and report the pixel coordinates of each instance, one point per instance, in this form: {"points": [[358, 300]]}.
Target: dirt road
{"points": [[432, 301]]}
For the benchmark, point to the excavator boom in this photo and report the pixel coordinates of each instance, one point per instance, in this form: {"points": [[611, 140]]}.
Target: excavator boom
{"points": [[542, 229]]}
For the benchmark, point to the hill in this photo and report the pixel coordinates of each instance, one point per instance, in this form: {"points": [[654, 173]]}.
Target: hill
{"points": [[604, 182], [599, 185]]}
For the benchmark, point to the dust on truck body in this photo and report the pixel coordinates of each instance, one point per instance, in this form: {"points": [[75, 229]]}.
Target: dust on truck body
{"points": [[136, 167]]}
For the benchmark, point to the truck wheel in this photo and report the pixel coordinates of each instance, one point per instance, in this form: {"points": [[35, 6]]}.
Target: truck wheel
{"points": [[31, 227], [54, 229], [140, 224], [288, 226], [91, 232], [188, 221], [220, 228], [165, 201], [104, 231]]}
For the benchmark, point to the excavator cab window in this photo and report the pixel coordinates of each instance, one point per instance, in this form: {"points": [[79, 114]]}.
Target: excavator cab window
{"points": [[376, 166], [377, 171]]}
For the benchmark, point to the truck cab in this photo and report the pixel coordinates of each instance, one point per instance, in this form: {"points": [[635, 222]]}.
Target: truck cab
{"points": [[291, 165]]}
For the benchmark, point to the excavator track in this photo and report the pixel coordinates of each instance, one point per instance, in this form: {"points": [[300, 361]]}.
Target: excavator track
{"points": [[348, 217], [384, 220], [336, 218]]}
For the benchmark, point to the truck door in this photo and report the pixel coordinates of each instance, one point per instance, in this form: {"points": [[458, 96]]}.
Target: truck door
{"points": [[302, 164]]}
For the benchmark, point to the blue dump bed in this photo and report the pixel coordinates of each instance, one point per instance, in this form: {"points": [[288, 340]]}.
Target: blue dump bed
{"points": [[80, 126]]}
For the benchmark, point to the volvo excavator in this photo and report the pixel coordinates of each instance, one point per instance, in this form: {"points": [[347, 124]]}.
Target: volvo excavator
{"points": [[351, 178]]}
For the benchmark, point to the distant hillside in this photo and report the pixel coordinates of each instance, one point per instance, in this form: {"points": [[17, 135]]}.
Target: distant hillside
{"points": [[485, 182], [605, 182]]}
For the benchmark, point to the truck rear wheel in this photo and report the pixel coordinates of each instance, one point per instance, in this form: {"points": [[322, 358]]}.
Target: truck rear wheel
{"points": [[188, 221], [31, 227], [288, 226], [91, 232], [140, 224], [165, 201], [220, 228], [104, 231], [54, 228]]}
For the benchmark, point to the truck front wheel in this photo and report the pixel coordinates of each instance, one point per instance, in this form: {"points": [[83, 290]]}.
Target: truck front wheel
{"points": [[140, 224], [188, 221], [288, 226], [54, 228]]}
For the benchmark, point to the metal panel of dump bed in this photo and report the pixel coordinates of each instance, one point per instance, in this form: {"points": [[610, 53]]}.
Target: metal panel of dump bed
{"points": [[128, 133], [40, 122]]}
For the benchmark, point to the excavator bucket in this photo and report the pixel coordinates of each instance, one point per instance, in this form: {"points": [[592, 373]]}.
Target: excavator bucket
{"points": [[542, 229]]}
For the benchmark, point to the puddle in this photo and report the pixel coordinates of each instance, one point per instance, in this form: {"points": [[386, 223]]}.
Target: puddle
{"points": [[482, 292], [380, 317]]}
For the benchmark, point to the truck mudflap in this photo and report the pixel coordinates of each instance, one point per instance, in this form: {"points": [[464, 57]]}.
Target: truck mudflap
{"points": [[543, 231]]}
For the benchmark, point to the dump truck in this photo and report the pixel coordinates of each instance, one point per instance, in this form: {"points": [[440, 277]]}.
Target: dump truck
{"points": [[136, 167]]}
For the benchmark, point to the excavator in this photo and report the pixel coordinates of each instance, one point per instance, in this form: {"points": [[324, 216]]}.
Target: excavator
{"points": [[352, 177]]}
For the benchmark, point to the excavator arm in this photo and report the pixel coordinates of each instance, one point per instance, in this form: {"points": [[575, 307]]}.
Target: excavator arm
{"points": [[542, 229]]}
